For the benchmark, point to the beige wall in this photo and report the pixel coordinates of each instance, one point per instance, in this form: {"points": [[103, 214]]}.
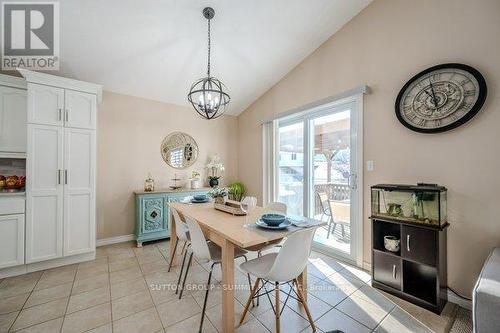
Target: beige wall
{"points": [[130, 131], [386, 44]]}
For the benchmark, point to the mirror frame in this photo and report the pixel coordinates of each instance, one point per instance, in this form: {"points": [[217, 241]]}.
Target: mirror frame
{"points": [[183, 139]]}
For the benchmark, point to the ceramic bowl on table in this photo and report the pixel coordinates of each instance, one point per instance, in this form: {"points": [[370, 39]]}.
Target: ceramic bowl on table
{"points": [[200, 197], [273, 219], [391, 243]]}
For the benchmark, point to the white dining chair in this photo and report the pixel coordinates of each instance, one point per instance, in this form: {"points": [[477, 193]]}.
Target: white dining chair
{"points": [[281, 268], [182, 232], [206, 252], [250, 202], [278, 207]]}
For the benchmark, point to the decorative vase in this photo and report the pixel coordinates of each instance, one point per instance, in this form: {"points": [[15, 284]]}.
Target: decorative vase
{"points": [[195, 183], [391, 243], [214, 182]]}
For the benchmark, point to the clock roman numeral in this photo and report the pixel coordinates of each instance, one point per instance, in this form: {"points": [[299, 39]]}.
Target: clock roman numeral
{"points": [[469, 93], [463, 82], [435, 77], [420, 121], [437, 123]]}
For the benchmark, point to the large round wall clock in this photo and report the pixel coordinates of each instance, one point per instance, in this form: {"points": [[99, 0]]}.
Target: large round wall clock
{"points": [[441, 98]]}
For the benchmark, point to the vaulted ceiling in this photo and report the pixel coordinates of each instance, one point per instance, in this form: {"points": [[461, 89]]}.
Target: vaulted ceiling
{"points": [[156, 48]]}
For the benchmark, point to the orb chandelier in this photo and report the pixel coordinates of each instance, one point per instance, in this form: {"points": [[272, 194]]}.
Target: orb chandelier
{"points": [[207, 95]]}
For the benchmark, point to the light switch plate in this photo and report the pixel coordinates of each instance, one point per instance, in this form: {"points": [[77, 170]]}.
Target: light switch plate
{"points": [[369, 165]]}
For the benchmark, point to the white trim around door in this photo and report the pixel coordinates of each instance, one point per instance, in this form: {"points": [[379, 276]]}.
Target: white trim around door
{"points": [[271, 164]]}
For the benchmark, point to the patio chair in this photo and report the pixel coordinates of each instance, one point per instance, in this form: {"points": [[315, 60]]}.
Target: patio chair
{"points": [[325, 207]]}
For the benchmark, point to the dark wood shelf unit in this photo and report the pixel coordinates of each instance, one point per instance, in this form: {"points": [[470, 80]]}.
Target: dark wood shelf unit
{"points": [[416, 273]]}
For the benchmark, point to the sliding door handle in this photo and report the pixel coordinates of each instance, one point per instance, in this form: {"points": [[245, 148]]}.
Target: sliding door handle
{"points": [[59, 114], [59, 177], [66, 177], [394, 272], [66, 113], [408, 243]]}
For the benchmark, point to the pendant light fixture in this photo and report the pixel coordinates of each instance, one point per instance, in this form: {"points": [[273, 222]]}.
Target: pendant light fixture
{"points": [[207, 95]]}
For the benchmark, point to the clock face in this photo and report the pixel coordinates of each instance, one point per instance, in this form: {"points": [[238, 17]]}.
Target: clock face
{"points": [[441, 98]]}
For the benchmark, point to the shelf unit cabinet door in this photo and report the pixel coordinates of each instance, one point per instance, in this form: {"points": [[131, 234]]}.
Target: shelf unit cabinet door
{"points": [[13, 120], [44, 195], [419, 244], [80, 109], [45, 105], [79, 191], [11, 240], [153, 219], [387, 269]]}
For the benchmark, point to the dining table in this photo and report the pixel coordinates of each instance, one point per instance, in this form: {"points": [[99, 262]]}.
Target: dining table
{"points": [[230, 232]]}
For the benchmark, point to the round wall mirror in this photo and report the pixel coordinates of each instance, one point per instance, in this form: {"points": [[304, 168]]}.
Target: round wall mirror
{"points": [[179, 150]]}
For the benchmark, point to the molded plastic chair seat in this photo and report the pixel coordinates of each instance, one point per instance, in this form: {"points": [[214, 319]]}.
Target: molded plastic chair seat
{"points": [[260, 266], [216, 252]]}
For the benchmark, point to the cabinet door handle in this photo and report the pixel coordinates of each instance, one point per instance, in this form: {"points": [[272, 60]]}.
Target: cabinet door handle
{"points": [[59, 177], [408, 243], [394, 271], [66, 177], [59, 114], [67, 115]]}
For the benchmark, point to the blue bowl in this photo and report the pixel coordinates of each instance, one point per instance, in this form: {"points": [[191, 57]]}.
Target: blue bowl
{"points": [[273, 219], [200, 197]]}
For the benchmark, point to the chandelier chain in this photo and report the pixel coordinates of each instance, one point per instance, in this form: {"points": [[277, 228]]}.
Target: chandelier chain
{"points": [[208, 66]]}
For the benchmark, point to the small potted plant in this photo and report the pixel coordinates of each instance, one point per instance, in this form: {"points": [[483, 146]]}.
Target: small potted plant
{"points": [[195, 180], [215, 169], [219, 194], [236, 191]]}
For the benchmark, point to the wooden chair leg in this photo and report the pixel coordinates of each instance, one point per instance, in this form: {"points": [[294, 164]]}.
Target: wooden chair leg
{"points": [[277, 292], [301, 299], [252, 294]]}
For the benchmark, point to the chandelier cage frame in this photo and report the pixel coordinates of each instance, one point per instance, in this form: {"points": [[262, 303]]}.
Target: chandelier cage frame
{"points": [[207, 95]]}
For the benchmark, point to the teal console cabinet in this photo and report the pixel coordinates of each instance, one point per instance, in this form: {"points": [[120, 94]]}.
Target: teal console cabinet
{"points": [[152, 220]]}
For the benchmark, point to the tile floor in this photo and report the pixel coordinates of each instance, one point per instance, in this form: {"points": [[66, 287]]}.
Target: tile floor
{"points": [[123, 290]]}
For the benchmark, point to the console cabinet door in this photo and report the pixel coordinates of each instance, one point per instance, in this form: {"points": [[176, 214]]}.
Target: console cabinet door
{"points": [[11, 240], [44, 196], [387, 269], [45, 105], [79, 191], [12, 120], [80, 109], [419, 244]]}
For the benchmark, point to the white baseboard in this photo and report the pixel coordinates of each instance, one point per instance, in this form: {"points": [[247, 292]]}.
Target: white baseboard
{"points": [[464, 303], [367, 266], [115, 240]]}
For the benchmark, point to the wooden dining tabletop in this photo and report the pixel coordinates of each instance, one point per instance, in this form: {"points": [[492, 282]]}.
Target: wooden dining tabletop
{"points": [[229, 231]]}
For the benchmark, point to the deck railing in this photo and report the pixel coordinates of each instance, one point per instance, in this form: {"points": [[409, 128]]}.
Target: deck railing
{"points": [[334, 191]]}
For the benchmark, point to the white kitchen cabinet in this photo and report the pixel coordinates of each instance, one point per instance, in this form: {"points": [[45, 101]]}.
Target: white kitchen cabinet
{"points": [[44, 200], [80, 109], [11, 240], [61, 167], [45, 105], [79, 191], [12, 120]]}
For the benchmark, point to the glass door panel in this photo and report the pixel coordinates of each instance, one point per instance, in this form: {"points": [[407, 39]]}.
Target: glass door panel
{"points": [[331, 171], [290, 173]]}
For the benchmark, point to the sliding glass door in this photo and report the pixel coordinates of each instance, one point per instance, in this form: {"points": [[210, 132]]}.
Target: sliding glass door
{"points": [[332, 170], [317, 168], [291, 166]]}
